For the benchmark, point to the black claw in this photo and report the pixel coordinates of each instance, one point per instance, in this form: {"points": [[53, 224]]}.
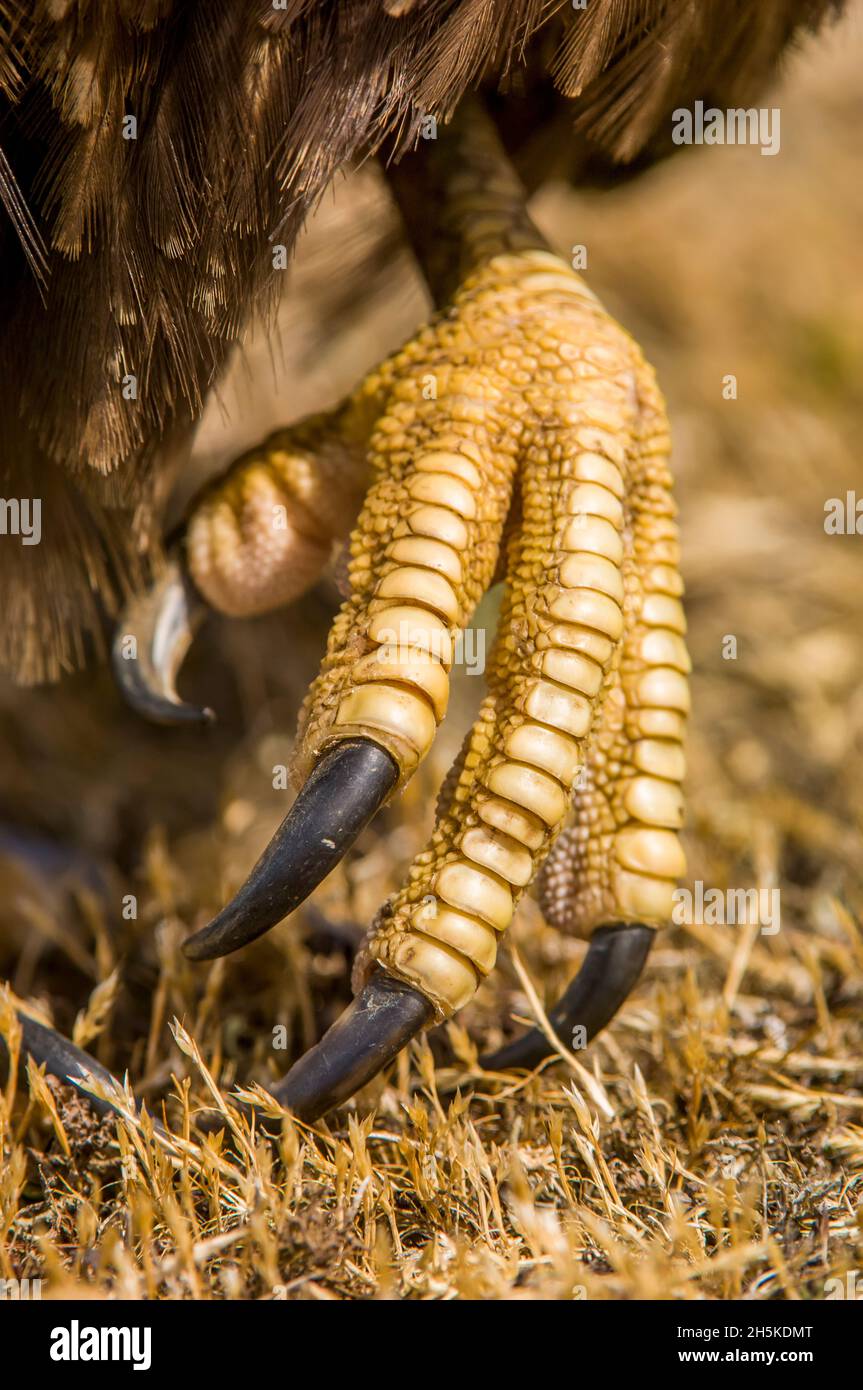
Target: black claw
{"points": [[68, 1063], [162, 621], [382, 1019], [615, 959], [350, 783]]}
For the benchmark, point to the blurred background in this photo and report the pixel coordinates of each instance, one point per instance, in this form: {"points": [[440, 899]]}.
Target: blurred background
{"points": [[722, 261]]}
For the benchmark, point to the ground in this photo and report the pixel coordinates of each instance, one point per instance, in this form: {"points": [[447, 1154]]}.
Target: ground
{"points": [[710, 1144]]}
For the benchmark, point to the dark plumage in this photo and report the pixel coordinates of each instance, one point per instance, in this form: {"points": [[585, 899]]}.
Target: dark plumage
{"points": [[145, 256]]}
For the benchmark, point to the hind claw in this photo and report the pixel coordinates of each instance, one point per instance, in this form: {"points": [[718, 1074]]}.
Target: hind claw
{"points": [[150, 643]]}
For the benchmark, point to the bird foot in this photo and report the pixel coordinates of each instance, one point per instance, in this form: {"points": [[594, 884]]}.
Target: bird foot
{"points": [[523, 427]]}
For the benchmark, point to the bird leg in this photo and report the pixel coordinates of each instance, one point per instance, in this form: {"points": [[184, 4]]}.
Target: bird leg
{"points": [[521, 397]]}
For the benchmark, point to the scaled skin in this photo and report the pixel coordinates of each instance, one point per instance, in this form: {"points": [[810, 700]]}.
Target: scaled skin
{"points": [[539, 396]]}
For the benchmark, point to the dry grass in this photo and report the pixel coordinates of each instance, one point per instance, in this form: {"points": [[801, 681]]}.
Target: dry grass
{"points": [[710, 1145]]}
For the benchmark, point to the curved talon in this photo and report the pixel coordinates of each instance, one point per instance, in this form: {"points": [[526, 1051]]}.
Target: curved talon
{"points": [[350, 783], [373, 1029], [615, 959], [163, 621], [68, 1063]]}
